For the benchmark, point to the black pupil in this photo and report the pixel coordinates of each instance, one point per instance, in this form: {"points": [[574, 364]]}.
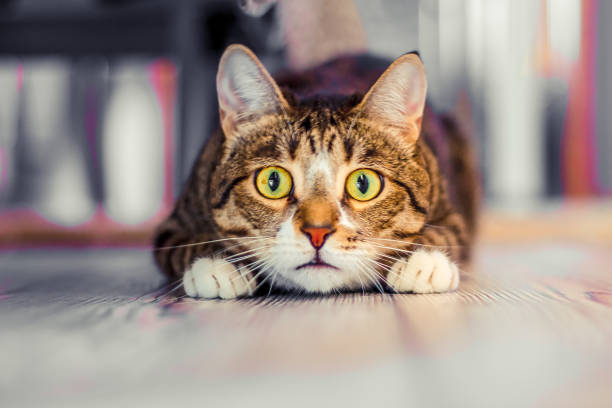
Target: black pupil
{"points": [[363, 183], [274, 180]]}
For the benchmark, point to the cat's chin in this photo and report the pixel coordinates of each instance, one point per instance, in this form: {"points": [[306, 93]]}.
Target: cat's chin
{"points": [[317, 279], [316, 265], [317, 268]]}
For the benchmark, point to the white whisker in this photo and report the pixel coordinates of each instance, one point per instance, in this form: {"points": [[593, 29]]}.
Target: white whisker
{"points": [[205, 242], [392, 248], [361, 283], [260, 264], [386, 268], [163, 295], [237, 261], [392, 258], [266, 278], [239, 244], [371, 278], [436, 226], [249, 266], [412, 243], [274, 273], [242, 254], [380, 264]]}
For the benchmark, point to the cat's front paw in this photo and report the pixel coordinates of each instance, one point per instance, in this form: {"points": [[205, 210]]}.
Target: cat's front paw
{"points": [[215, 278], [424, 272]]}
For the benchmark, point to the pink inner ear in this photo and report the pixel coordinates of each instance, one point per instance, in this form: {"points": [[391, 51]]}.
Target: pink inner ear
{"points": [[398, 98], [410, 80], [412, 108], [230, 96], [244, 88]]}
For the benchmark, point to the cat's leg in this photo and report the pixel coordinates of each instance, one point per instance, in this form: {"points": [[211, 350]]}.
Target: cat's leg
{"points": [[433, 265], [215, 278], [193, 258], [424, 272]]}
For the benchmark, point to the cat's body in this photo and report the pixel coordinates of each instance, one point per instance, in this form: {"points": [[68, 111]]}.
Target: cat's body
{"points": [[333, 136]]}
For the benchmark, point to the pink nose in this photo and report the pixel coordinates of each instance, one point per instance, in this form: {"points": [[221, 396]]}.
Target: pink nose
{"points": [[317, 235]]}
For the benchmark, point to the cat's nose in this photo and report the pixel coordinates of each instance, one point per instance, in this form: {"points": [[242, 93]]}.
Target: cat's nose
{"points": [[317, 235]]}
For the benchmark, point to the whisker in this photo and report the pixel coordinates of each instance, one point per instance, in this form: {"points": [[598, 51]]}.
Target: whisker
{"points": [[265, 279], [275, 273], [262, 264], [182, 297], [163, 295], [393, 258], [436, 226], [259, 264], [388, 269], [361, 269], [413, 243], [365, 269], [384, 267], [156, 290], [361, 283], [392, 248], [249, 266], [204, 242], [374, 280], [242, 258], [239, 244], [233, 257]]}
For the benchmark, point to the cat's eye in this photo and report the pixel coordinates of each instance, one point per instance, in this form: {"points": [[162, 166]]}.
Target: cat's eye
{"points": [[273, 182], [363, 184]]}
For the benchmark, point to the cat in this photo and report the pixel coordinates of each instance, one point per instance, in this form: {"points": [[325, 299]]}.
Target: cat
{"points": [[337, 178]]}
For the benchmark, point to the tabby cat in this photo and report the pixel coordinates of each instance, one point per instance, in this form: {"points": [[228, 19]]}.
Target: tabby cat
{"points": [[336, 178]]}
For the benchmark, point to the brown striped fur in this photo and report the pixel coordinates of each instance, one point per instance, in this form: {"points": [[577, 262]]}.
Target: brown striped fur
{"points": [[429, 195]]}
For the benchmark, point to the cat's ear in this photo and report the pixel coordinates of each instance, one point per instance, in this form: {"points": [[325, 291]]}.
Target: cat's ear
{"points": [[397, 99], [245, 89]]}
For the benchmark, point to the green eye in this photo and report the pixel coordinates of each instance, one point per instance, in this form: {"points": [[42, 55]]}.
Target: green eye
{"points": [[363, 184], [273, 182]]}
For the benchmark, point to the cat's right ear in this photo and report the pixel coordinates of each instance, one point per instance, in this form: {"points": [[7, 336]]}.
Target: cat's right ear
{"points": [[397, 99], [246, 91]]}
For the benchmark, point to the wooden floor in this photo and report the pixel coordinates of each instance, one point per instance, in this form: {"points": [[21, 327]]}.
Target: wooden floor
{"points": [[530, 326]]}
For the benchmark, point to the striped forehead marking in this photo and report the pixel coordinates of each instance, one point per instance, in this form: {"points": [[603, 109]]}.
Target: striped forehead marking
{"points": [[320, 169]]}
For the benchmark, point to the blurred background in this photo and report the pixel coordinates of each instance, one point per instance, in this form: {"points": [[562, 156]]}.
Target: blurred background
{"points": [[106, 103]]}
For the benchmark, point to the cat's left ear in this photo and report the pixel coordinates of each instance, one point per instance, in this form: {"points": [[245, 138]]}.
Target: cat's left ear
{"points": [[397, 99], [246, 91]]}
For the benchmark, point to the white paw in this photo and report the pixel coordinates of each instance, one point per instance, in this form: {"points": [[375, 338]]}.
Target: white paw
{"points": [[215, 278], [424, 272]]}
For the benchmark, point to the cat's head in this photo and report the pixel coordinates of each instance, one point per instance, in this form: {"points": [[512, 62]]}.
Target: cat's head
{"points": [[326, 187]]}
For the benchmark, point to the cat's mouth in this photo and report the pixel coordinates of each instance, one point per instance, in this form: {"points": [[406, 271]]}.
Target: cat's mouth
{"points": [[316, 262]]}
